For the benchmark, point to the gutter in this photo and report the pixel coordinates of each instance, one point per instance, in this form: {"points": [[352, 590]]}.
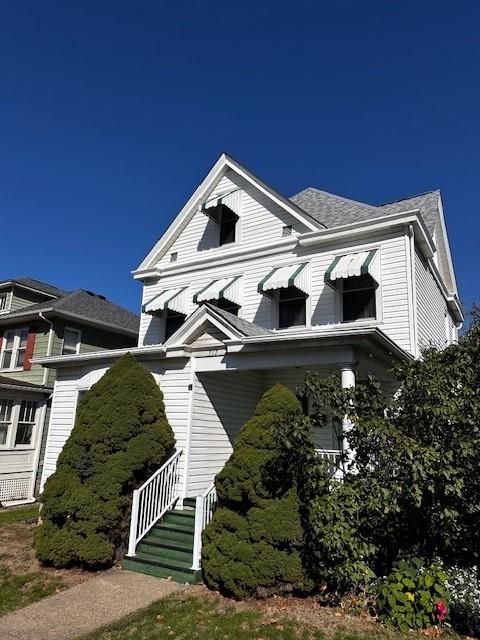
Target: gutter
{"points": [[100, 356], [375, 224]]}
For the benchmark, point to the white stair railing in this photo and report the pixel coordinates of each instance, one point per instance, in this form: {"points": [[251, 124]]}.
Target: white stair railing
{"points": [[333, 457], [205, 506], [153, 499]]}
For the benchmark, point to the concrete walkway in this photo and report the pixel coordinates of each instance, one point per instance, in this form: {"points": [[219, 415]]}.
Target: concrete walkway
{"points": [[85, 607]]}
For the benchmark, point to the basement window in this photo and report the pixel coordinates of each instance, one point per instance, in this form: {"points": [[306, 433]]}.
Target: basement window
{"points": [[292, 307], [358, 298], [173, 322]]}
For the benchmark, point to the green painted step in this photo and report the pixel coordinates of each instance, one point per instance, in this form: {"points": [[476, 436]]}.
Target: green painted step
{"points": [[180, 518], [167, 549], [165, 552], [151, 566]]}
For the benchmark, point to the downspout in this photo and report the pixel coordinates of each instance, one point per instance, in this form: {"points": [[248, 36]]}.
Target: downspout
{"points": [[39, 436], [413, 289]]}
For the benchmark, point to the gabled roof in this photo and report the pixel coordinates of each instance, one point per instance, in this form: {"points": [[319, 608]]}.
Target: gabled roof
{"points": [[224, 164], [426, 203], [231, 326], [35, 285], [244, 327], [82, 306]]}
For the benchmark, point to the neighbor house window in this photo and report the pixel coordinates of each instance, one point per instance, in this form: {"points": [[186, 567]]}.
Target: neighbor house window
{"points": [[358, 298], [173, 322], [226, 305], [292, 307], [3, 301], [26, 422], [17, 421], [14, 346], [71, 342], [6, 407]]}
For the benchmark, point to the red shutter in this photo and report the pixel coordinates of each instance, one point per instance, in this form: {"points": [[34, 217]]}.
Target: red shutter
{"points": [[27, 360]]}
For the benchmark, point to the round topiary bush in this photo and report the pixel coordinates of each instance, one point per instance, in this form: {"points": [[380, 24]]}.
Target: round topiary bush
{"points": [[121, 436], [253, 544]]}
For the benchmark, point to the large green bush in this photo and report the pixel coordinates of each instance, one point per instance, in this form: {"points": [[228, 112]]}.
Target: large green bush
{"points": [[252, 546], [121, 436]]}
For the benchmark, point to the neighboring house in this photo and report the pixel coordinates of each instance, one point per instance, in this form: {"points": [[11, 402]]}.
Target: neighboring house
{"points": [[36, 320], [247, 288]]}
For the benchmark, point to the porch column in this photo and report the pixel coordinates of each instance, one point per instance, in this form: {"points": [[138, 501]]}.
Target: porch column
{"points": [[348, 381]]}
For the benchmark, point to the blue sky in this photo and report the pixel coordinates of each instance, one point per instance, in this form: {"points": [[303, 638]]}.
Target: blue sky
{"points": [[112, 112]]}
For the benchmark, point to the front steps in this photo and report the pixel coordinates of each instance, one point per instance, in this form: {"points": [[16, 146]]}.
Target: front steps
{"points": [[167, 550]]}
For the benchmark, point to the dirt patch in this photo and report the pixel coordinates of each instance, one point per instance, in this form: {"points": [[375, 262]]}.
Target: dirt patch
{"points": [[18, 556]]}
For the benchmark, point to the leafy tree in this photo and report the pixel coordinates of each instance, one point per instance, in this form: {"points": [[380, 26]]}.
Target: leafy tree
{"points": [[252, 546], [413, 485], [121, 435]]}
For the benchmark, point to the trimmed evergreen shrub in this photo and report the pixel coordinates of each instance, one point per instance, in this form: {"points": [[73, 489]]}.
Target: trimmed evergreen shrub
{"points": [[121, 436], [252, 546]]}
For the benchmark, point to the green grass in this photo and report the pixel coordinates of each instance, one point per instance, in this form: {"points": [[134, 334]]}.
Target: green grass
{"points": [[18, 514], [17, 591], [188, 617]]}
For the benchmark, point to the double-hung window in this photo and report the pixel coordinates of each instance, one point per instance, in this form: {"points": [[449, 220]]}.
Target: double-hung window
{"points": [[3, 302], [358, 298], [71, 341], [292, 307], [13, 351], [6, 408], [17, 422]]}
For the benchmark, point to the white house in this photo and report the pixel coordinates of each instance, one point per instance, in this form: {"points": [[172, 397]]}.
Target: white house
{"points": [[247, 288]]}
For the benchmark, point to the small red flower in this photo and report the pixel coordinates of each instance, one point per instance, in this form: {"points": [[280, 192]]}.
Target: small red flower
{"points": [[441, 611]]}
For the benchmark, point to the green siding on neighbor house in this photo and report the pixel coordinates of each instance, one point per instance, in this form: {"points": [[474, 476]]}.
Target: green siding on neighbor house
{"points": [[35, 375], [24, 298]]}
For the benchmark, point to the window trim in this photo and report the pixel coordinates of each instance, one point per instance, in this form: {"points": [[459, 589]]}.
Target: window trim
{"points": [[78, 343], [14, 421], [367, 319], [7, 296], [276, 313], [338, 298], [16, 348]]}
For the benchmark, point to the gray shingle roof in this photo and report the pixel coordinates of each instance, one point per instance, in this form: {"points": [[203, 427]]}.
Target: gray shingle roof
{"points": [[243, 326], [21, 383], [427, 203], [31, 283], [86, 306], [334, 211]]}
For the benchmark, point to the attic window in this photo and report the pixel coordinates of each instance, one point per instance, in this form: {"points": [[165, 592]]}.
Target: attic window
{"points": [[3, 301], [226, 219], [287, 230], [174, 256]]}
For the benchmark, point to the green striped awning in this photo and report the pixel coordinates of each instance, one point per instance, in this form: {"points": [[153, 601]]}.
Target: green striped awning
{"points": [[353, 264], [292, 275], [173, 299], [228, 288]]}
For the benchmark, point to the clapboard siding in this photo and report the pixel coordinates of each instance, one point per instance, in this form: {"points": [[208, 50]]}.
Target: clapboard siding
{"points": [[173, 382], [431, 306], [258, 308], [223, 402], [259, 218]]}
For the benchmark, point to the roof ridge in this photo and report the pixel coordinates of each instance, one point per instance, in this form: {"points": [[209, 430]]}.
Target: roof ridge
{"points": [[415, 195], [335, 195]]}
